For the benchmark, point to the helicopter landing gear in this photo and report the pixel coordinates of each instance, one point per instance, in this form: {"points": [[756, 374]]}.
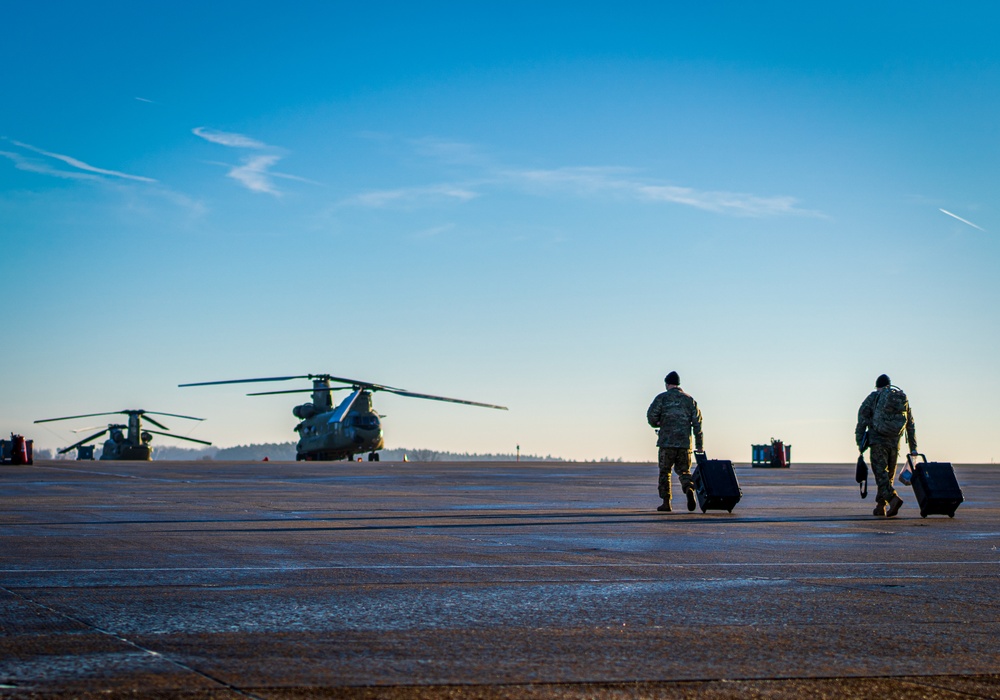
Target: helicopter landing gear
{"points": [[373, 457]]}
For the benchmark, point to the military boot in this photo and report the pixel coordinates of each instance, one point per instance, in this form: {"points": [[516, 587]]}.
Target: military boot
{"points": [[894, 505], [879, 511], [665, 506], [690, 496]]}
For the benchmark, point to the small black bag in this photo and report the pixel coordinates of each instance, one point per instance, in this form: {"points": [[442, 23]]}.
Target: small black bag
{"points": [[861, 473], [861, 476]]}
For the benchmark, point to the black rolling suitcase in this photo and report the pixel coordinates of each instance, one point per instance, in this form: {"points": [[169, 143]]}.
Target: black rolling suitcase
{"points": [[935, 486], [715, 484]]}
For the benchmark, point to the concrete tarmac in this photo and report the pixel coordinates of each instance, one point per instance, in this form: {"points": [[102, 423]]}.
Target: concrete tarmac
{"points": [[486, 580]]}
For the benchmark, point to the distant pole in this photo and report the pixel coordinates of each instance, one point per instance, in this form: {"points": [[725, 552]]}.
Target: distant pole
{"points": [[518, 453]]}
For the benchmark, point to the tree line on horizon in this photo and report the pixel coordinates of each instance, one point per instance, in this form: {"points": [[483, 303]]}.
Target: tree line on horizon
{"points": [[285, 452]]}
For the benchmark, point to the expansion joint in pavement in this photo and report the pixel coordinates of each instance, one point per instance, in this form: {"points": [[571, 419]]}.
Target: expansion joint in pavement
{"points": [[129, 642], [923, 684]]}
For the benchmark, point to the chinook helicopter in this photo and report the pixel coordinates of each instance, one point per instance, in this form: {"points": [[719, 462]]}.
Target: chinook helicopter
{"points": [[326, 433], [133, 443]]}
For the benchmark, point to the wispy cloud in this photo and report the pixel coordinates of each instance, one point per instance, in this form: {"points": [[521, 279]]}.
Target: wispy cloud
{"points": [[254, 171], [413, 195], [46, 168], [964, 221], [143, 99], [225, 138], [33, 165], [737, 203], [578, 182], [584, 183], [433, 231], [449, 152], [613, 181], [574, 181], [295, 178], [135, 199]]}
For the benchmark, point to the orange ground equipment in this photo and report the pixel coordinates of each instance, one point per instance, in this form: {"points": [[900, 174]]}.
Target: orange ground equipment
{"points": [[17, 450], [776, 455]]}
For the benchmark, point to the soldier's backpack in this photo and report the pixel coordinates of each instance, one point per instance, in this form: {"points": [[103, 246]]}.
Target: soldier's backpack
{"points": [[889, 416]]}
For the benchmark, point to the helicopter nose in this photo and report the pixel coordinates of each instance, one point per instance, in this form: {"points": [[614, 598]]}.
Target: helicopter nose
{"points": [[368, 423], [368, 433], [365, 428]]}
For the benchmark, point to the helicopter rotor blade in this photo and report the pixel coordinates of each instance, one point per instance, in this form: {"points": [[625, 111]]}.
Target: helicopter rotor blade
{"points": [[178, 437], [245, 381], [89, 427], [82, 415], [172, 415], [370, 386], [355, 383], [431, 397], [157, 423], [128, 412], [83, 442], [300, 391]]}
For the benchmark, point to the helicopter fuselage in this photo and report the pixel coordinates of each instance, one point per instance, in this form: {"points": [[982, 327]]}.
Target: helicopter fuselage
{"points": [[130, 445], [327, 434], [127, 442], [352, 428]]}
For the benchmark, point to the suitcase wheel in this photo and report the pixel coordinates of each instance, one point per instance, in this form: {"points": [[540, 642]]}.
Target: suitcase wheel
{"points": [[730, 510], [951, 514]]}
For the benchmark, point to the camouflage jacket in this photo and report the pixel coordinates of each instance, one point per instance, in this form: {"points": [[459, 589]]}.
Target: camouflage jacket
{"points": [[676, 415], [866, 415]]}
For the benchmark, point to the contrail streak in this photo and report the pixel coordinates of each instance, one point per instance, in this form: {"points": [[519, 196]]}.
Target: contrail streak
{"points": [[964, 221], [69, 160]]}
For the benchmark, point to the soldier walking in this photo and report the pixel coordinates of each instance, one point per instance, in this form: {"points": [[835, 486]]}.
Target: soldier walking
{"points": [[675, 415], [884, 415]]}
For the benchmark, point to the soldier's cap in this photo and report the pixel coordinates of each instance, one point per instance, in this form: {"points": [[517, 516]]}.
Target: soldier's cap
{"points": [[673, 378], [883, 380]]}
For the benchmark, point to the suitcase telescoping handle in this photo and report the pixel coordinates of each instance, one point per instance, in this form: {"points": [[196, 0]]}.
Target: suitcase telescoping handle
{"points": [[700, 456], [912, 463]]}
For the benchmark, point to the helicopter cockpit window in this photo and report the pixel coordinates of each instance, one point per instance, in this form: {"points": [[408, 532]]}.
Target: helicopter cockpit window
{"points": [[366, 422]]}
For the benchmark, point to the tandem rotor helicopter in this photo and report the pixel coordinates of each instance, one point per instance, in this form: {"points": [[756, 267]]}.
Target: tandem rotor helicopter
{"points": [[353, 427], [134, 442]]}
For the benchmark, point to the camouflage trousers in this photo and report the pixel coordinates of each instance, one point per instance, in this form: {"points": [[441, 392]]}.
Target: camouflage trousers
{"points": [[883, 458], [678, 459]]}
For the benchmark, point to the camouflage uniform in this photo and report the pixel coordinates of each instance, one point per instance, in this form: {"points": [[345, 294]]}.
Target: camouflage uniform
{"points": [[884, 448], [676, 415]]}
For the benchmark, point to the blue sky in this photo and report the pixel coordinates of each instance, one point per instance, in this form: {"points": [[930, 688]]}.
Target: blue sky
{"points": [[544, 208]]}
